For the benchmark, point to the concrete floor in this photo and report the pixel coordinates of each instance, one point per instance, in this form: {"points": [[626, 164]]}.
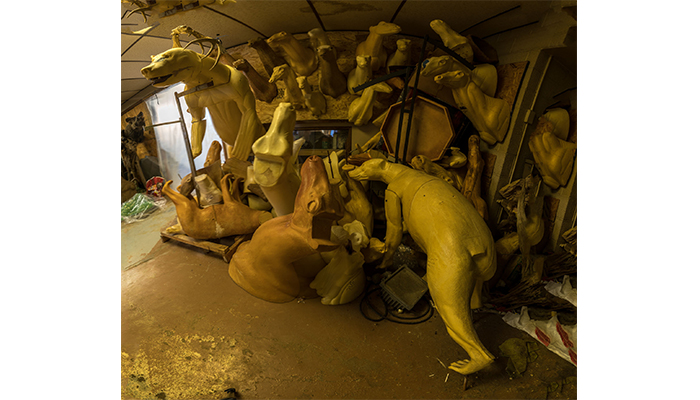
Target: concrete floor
{"points": [[189, 332]]}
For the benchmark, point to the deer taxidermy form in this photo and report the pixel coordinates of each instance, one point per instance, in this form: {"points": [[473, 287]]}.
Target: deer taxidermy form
{"points": [[490, 115], [292, 92], [268, 57], [362, 73], [374, 44], [331, 80], [315, 101], [262, 88], [302, 59], [230, 101]]}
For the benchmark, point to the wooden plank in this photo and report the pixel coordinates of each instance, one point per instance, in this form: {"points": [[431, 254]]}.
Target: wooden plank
{"points": [[202, 244]]}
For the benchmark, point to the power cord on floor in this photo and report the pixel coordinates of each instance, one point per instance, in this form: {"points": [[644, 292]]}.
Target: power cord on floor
{"points": [[371, 300]]}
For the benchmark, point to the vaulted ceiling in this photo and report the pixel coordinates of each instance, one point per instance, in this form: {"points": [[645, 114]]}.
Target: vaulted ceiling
{"points": [[235, 22]]}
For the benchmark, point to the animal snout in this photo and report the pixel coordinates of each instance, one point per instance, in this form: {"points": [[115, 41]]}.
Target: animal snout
{"points": [[146, 70]]}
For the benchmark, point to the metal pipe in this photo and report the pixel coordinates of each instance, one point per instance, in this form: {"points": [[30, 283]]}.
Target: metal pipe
{"points": [[187, 145]]}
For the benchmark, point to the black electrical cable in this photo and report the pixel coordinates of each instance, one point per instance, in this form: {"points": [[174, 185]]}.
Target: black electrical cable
{"points": [[389, 315]]}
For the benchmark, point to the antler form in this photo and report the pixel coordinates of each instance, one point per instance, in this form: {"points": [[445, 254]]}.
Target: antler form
{"points": [[184, 29], [213, 42], [141, 8]]}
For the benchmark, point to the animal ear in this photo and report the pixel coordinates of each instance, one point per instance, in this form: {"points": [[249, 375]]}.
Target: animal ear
{"points": [[313, 206]]}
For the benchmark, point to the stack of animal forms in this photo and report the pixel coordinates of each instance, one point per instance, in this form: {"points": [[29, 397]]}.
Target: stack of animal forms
{"points": [[302, 59], [472, 179], [342, 280], [268, 57], [402, 54], [554, 156], [273, 165], [373, 45], [314, 100], [453, 40], [219, 220], [355, 202], [292, 93], [360, 74], [318, 38], [262, 88], [484, 76], [230, 101], [458, 243], [423, 163], [490, 116], [360, 110], [331, 80], [266, 266]]}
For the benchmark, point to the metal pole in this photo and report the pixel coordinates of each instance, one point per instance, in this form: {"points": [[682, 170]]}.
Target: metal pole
{"points": [[187, 144]]}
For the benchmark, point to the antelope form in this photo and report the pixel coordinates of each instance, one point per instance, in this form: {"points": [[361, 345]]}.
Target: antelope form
{"points": [[360, 110], [402, 55], [318, 38], [484, 76], [302, 59], [490, 116], [372, 46], [292, 93], [360, 74], [472, 180], [263, 89], [453, 40], [331, 80], [314, 100], [268, 57], [230, 101]]}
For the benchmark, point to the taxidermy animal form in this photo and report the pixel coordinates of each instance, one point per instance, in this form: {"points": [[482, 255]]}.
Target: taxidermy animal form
{"points": [[373, 45], [453, 40], [342, 280], [263, 89], [292, 93], [273, 165], [360, 110], [456, 159], [355, 202], [360, 74], [402, 54], [459, 245], [318, 38], [268, 57], [484, 76], [490, 116], [230, 101], [554, 156], [265, 266], [217, 221], [423, 163], [302, 59], [472, 180], [314, 100], [331, 80]]}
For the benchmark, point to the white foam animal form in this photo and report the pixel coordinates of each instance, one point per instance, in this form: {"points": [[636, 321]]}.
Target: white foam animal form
{"points": [[360, 110], [484, 76], [331, 80], [230, 101], [314, 100], [355, 202], [554, 156], [455, 159], [302, 59], [273, 164], [373, 45], [402, 54], [453, 40], [292, 93], [342, 280], [490, 116], [360, 74]]}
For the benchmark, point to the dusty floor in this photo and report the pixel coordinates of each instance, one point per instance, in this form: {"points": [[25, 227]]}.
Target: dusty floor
{"points": [[189, 332]]}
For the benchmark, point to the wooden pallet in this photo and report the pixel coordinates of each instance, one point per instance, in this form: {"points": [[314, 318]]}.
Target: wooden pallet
{"points": [[225, 247]]}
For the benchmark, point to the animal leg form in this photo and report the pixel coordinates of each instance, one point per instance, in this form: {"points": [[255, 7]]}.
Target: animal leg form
{"points": [[394, 227], [250, 130], [455, 313]]}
